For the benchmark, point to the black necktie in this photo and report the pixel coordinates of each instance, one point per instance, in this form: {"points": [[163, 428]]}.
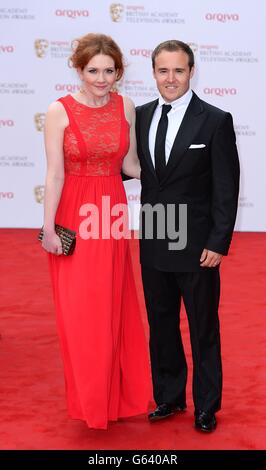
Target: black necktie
{"points": [[159, 150]]}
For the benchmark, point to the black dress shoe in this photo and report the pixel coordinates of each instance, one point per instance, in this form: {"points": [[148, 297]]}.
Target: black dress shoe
{"points": [[164, 410], [205, 421]]}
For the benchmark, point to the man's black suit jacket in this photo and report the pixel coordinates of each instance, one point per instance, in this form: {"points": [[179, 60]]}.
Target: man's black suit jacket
{"points": [[205, 178]]}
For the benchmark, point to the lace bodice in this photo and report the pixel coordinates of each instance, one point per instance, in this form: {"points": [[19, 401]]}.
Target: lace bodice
{"points": [[96, 139]]}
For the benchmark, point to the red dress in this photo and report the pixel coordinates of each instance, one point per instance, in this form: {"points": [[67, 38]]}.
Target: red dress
{"points": [[100, 329]]}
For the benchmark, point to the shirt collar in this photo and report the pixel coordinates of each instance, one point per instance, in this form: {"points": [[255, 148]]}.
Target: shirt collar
{"points": [[182, 101]]}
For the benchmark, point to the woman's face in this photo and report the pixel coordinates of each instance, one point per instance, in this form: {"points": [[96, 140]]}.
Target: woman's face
{"points": [[99, 75]]}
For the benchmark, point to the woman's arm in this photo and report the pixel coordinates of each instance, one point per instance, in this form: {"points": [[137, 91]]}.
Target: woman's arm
{"points": [[55, 124], [131, 165]]}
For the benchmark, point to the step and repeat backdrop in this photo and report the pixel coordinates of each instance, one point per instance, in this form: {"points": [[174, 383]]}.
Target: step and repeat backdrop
{"points": [[227, 36]]}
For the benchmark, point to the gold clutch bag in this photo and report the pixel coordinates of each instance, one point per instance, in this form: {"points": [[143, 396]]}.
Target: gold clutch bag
{"points": [[67, 237]]}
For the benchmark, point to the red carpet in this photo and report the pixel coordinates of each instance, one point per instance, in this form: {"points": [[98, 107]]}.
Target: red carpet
{"points": [[33, 411]]}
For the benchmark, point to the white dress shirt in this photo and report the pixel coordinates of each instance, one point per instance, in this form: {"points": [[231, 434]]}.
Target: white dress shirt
{"points": [[175, 117]]}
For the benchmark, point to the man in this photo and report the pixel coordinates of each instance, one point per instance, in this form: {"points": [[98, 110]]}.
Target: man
{"points": [[188, 161]]}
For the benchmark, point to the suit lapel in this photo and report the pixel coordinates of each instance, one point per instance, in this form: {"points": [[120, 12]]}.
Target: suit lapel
{"points": [[145, 133], [190, 125]]}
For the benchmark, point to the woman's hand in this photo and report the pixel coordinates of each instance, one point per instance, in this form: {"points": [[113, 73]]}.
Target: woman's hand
{"points": [[51, 242]]}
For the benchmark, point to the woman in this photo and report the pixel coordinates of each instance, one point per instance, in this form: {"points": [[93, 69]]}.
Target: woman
{"points": [[89, 137]]}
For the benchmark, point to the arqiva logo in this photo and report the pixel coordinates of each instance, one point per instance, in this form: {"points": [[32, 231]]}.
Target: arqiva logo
{"points": [[73, 13], [222, 17], [220, 91], [6, 195], [143, 52], [8, 48], [69, 87], [6, 123]]}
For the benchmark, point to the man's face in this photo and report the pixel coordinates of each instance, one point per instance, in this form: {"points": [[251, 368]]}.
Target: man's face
{"points": [[172, 74]]}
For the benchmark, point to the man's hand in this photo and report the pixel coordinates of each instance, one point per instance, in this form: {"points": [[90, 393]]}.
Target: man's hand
{"points": [[210, 259]]}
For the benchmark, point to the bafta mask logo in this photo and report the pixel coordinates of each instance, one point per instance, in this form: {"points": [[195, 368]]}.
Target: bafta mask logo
{"points": [[39, 194], [41, 47], [116, 12], [193, 46], [39, 119]]}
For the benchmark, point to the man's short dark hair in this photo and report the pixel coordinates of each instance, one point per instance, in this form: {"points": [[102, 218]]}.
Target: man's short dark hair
{"points": [[173, 45]]}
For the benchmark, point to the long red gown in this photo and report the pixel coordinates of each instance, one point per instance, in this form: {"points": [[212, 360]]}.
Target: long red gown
{"points": [[100, 329]]}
